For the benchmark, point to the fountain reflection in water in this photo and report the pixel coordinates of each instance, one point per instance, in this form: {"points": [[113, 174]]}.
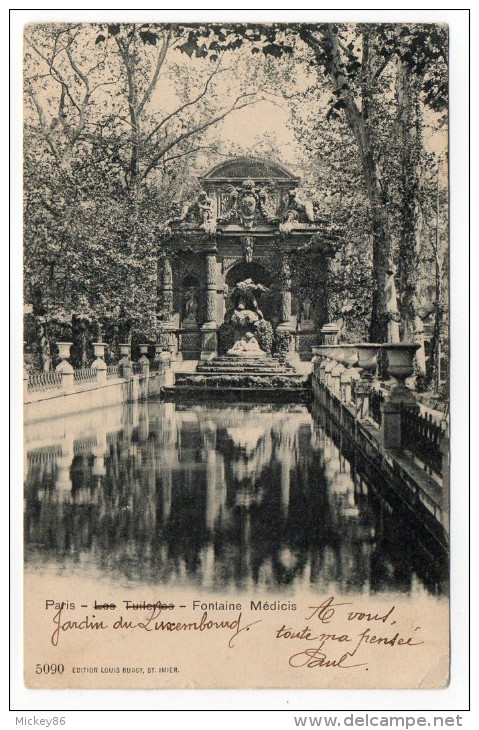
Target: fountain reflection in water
{"points": [[254, 497]]}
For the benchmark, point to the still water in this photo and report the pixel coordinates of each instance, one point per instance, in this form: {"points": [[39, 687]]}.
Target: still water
{"points": [[252, 497]]}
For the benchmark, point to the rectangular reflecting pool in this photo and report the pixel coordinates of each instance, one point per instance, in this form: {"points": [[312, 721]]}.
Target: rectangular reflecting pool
{"points": [[250, 497]]}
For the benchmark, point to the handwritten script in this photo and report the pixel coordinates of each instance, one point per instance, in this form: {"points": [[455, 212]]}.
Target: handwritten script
{"points": [[332, 634], [327, 647]]}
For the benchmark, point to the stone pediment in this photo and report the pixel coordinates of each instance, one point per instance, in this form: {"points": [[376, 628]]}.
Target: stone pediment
{"points": [[249, 168], [247, 194]]}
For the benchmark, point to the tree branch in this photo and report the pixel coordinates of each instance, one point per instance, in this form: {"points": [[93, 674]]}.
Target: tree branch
{"points": [[187, 104], [156, 73], [196, 130]]}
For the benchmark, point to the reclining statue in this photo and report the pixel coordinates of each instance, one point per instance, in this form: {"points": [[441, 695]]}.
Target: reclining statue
{"points": [[247, 346]]}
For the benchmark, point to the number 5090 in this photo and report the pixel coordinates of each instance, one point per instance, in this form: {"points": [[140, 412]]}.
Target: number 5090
{"points": [[49, 669]]}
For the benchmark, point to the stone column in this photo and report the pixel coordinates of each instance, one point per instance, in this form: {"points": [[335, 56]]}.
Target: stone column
{"points": [[166, 328], [285, 324], [285, 296], [167, 289], [209, 328]]}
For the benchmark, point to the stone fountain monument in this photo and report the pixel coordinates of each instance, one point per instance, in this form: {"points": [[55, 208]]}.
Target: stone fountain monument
{"points": [[247, 363], [245, 318]]}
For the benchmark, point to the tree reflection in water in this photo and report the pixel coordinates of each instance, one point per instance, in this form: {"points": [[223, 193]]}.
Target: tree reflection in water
{"points": [[244, 496]]}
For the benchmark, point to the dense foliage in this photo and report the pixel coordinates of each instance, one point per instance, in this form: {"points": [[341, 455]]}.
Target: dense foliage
{"points": [[117, 128]]}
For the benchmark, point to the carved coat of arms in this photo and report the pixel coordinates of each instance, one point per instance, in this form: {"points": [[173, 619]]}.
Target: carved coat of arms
{"points": [[247, 204]]}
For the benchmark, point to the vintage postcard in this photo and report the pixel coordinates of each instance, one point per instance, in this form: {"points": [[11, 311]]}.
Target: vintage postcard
{"points": [[236, 355]]}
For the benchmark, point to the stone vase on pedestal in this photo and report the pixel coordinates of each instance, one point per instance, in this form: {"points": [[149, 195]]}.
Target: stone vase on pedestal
{"points": [[99, 364], [143, 359], [367, 359], [125, 361], [348, 358], [400, 358], [64, 367]]}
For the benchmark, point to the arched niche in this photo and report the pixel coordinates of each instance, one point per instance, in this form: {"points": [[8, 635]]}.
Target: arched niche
{"points": [[260, 275], [190, 292]]}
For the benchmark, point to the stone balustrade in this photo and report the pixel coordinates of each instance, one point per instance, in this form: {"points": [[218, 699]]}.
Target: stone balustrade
{"points": [[67, 379], [349, 373]]}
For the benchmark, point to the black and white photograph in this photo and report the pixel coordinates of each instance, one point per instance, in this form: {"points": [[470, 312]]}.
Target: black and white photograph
{"points": [[236, 339]]}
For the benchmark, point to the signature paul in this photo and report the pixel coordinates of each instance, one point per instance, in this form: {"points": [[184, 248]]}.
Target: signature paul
{"points": [[325, 643]]}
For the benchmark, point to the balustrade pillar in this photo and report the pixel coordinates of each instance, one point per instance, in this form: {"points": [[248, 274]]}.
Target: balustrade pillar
{"points": [[126, 368], [65, 368], [400, 365], [143, 359], [336, 373], [99, 364]]}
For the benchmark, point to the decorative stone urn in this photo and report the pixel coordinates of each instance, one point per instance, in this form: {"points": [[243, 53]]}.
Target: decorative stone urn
{"points": [[64, 350], [331, 351], [400, 357], [99, 349], [144, 349], [367, 359], [125, 350], [348, 355]]}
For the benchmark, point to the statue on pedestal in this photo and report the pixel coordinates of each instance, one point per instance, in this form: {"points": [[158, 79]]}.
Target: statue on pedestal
{"points": [[190, 306], [247, 320], [392, 311]]}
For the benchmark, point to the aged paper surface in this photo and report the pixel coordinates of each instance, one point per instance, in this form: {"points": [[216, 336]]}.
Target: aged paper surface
{"points": [[209, 542]]}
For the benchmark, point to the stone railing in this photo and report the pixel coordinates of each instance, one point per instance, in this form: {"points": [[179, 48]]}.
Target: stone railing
{"points": [[423, 438], [85, 375], [67, 379], [112, 371], [43, 381], [401, 451], [346, 385]]}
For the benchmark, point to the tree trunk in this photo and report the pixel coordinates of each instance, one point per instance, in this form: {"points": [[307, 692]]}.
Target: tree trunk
{"points": [[409, 134], [45, 354], [359, 123]]}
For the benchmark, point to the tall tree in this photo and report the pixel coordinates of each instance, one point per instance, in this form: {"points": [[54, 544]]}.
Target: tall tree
{"points": [[355, 59], [113, 115]]}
